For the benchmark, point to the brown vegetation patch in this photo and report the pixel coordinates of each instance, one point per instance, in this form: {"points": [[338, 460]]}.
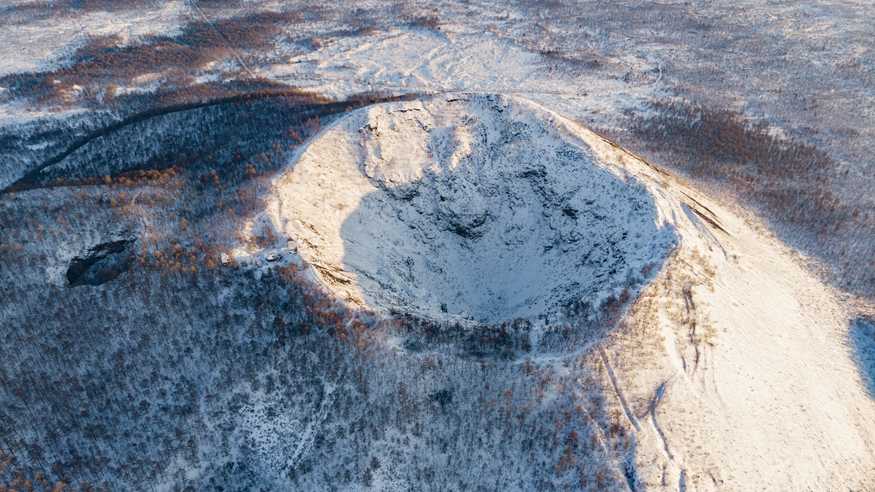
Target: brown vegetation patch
{"points": [[96, 68], [431, 22], [788, 177], [790, 181], [44, 9]]}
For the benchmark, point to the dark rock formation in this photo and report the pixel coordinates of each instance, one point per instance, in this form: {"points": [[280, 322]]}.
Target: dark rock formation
{"points": [[101, 264]]}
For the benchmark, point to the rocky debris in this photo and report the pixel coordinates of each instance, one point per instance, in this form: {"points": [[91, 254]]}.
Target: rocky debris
{"points": [[101, 263]]}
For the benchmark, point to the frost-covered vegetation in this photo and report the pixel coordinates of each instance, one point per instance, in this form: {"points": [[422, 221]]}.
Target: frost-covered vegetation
{"points": [[790, 182], [188, 368], [162, 328]]}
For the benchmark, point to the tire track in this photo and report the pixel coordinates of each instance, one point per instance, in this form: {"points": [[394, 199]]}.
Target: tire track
{"points": [[626, 410]]}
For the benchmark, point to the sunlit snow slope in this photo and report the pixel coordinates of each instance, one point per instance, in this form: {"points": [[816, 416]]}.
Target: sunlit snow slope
{"points": [[730, 364]]}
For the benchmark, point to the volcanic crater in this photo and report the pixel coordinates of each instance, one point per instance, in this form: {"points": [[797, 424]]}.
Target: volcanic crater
{"points": [[467, 209]]}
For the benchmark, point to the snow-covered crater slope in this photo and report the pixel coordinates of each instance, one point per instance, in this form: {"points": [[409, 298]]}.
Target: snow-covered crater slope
{"points": [[729, 365], [483, 209]]}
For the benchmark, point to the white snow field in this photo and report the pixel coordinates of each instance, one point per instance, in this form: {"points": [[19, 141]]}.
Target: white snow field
{"points": [[731, 366]]}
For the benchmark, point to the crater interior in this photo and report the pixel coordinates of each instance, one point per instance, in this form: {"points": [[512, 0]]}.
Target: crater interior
{"points": [[479, 208]]}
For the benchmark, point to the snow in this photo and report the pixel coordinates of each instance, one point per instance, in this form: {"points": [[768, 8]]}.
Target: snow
{"points": [[39, 44], [17, 113], [415, 59], [465, 207], [732, 368], [456, 59], [767, 397]]}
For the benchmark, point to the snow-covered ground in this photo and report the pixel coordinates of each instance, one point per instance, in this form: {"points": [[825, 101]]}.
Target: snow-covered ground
{"points": [[456, 59], [722, 360], [41, 42], [733, 366]]}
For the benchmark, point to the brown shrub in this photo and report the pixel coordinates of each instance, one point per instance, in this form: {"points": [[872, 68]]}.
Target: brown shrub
{"points": [[724, 140], [430, 22], [785, 176], [790, 182]]}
